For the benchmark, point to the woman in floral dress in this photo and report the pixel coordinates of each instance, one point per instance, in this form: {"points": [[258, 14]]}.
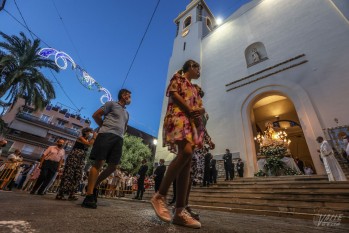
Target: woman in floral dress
{"points": [[74, 165], [182, 132]]}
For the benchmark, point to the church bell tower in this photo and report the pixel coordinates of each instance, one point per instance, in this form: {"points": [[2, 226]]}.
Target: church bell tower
{"points": [[195, 22]]}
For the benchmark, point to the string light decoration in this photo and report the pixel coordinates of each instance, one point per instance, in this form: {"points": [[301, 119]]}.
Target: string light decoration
{"points": [[84, 78], [47, 52]]}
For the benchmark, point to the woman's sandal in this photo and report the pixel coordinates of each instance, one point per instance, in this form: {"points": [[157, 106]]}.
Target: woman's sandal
{"points": [[60, 197], [73, 198]]}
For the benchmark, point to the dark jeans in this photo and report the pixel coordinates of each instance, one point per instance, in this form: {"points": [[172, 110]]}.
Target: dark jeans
{"points": [[229, 173], [213, 176], [140, 190], [157, 184], [48, 170], [206, 180]]}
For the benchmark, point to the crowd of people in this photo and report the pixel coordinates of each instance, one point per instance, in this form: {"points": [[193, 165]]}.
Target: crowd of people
{"points": [[184, 133]]}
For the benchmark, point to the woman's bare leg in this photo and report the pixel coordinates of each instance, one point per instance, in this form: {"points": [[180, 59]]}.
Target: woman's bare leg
{"points": [[181, 161]]}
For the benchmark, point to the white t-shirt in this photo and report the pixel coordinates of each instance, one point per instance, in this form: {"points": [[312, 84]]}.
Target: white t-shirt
{"points": [[14, 158]]}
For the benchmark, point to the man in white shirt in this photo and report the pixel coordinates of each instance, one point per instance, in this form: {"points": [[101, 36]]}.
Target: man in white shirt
{"points": [[51, 160], [15, 157]]}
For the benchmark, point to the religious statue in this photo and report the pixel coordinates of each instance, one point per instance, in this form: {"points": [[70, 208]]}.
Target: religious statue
{"points": [[269, 130], [255, 55]]}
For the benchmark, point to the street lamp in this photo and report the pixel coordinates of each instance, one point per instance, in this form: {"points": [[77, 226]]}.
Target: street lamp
{"points": [[155, 141]]}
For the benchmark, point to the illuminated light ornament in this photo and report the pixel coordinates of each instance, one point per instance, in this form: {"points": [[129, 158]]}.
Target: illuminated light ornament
{"points": [[107, 95], [59, 55], [86, 80]]}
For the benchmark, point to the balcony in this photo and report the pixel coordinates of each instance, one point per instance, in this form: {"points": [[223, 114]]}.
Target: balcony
{"points": [[28, 138], [49, 125]]}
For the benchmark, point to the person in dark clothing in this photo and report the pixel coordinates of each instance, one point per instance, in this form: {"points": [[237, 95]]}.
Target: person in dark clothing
{"points": [[228, 165], [174, 190], [206, 182], [159, 174], [140, 182], [300, 164], [50, 161], [240, 168], [213, 171]]}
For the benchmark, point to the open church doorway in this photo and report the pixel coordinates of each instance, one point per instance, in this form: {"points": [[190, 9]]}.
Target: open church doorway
{"points": [[279, 112]]}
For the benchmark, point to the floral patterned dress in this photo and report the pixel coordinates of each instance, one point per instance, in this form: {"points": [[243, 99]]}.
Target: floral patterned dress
{"points": [[177, 126], [74, 165], [198, 160]]}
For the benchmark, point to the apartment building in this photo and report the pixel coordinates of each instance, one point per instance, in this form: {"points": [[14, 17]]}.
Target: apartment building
{"points": [[32, 132]]}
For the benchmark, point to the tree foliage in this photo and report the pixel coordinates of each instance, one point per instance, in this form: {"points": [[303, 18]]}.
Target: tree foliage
{"points": [[20, 71], [133, 152]]}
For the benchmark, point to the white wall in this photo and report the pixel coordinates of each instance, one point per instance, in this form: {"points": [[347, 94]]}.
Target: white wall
{"points": [[287, 28]]}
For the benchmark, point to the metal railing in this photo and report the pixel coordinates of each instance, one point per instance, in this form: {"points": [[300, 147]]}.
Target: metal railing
{"points": [[8, 171], [49, 124]]}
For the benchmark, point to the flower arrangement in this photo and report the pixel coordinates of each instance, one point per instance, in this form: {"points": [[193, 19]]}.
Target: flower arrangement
{"points": [[260, 173], [273, 150], [274, 165], [291, 172]]}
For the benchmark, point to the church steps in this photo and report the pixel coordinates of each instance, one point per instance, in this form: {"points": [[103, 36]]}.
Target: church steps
{"points": [[299, 190], [274, 205], [296, 196], [308, 212], [281, 185], [277, 178], [341, 197], [280, 200]]}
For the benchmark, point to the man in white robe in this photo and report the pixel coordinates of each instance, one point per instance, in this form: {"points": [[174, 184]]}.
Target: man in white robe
{"points": [[332, 167]]}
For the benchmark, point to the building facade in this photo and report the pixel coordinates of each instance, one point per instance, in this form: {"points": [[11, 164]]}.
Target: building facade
{"points": [[283, 62], [32, 132]]}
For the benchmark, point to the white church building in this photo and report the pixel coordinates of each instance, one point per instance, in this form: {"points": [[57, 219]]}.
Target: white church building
{"points": [[286, 62]]}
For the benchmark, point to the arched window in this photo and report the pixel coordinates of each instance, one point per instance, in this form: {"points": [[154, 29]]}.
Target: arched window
{"points": [[255, 53], [209, 24], [187, 22]]}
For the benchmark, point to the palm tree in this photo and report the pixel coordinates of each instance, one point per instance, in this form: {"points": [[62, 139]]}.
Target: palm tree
{"points": [[20, 72]]}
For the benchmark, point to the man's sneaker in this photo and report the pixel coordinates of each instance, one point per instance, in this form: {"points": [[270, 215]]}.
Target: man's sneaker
{"points": [[184, 219], [192, 213], [95, 194], [159, 204], [89, 202]]}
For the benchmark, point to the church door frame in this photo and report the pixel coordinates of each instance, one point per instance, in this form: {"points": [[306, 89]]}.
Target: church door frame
{"points": [[306, 113]]}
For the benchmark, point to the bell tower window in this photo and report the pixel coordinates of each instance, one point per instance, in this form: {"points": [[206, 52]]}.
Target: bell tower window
{"points": [[187, 22]]}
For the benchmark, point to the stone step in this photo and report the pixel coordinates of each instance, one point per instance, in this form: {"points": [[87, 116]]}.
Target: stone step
{"points": [[280, 184], [278, 196], [274, 204], [278, 178], [280, 200], [274, 191], [270, 207]]}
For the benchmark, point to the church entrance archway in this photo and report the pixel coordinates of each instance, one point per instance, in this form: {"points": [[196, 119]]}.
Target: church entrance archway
{"points": [[280, 111]]}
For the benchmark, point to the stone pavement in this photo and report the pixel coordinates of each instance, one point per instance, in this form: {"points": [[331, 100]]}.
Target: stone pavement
{"points": [[21, 212]]}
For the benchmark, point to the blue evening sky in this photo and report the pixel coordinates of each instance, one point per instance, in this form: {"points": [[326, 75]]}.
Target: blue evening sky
{"points": [[102, 37]]}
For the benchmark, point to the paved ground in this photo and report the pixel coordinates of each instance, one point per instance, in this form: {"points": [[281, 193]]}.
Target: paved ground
{"points": [[21, 212]]}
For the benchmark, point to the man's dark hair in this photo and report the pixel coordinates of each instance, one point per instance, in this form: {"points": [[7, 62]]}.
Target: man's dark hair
{"points": [[121, 92]]}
